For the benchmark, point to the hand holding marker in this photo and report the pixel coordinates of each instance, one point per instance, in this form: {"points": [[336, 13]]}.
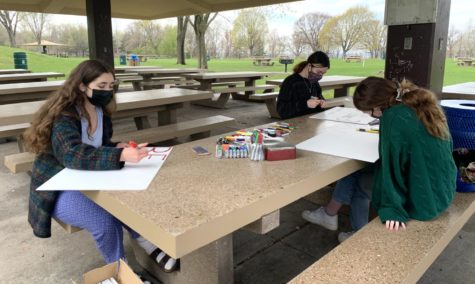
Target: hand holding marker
{"points": [[134, 152]]}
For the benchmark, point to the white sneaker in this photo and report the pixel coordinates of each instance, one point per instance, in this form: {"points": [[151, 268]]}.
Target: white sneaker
{"points": [[344, 235], [320, 217]]}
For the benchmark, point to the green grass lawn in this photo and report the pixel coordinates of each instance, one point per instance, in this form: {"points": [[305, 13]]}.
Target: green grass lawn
{"points": [[40, 63]]}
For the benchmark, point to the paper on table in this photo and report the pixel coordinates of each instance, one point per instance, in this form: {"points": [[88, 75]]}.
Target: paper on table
{"points": [[344, 114], [131, 177], [345, 143]]}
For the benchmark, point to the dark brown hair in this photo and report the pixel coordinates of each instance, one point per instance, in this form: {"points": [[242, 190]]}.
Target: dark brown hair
{"points": [[37, 137], [375, 92], [318, 57]]}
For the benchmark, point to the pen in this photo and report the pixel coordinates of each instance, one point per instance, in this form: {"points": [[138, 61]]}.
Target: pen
{"points": [[368, 130]]}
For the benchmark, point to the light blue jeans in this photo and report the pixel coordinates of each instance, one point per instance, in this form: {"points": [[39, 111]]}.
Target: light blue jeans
{"points": [[355, 190]]}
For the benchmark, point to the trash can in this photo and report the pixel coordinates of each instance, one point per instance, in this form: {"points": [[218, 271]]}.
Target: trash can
{"points": [[123, 60], [19, 58]]}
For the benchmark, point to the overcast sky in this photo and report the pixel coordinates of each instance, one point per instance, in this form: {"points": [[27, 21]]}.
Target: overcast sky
{"points": [[461, 13]]}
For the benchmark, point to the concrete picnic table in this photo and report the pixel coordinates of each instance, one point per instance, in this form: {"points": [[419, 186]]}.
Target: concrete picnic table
{"points": [[149, 73], [464, 91], [28, 77], [13, 71], [21, 92], [339, 83], [195, 203], [129, 104], [207, 79]]}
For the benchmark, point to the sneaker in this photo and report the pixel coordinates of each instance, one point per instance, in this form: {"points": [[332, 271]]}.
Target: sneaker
{"points": [[320, 217], [344, 235]]}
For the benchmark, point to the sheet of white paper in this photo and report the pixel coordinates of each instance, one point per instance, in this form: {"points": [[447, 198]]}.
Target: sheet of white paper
{"points": [[344, 114], [130, 177], [346, 143]]}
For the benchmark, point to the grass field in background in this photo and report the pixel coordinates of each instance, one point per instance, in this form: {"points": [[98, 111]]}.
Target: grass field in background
{"points": [[41, 63]]}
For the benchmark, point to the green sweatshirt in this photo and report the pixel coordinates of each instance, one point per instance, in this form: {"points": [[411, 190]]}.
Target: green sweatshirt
{"points": [[415, 175]]}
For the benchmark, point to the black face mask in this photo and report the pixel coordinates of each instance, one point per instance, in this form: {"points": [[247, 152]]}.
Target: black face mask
{"points": [[100, 97]]}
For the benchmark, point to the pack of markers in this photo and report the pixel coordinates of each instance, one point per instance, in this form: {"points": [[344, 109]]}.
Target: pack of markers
{"points": [[246, 144]]}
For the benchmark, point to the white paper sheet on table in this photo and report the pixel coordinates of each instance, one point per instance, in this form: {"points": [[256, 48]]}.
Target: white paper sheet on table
{"points": [[130, 177], [344, 114], [345, 143]]}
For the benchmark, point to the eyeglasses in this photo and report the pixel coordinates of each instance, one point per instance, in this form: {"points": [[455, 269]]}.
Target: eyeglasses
{"points": [[319, 67]]}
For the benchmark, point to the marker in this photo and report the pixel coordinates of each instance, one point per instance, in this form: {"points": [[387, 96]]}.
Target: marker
{"points": [[368, 130]]}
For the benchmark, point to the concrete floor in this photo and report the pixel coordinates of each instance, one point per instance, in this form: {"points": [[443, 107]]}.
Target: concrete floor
{"points": [[272, 258]]}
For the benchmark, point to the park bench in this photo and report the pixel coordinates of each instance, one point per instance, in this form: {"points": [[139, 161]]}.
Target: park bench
{"points": [[356, 58], [196, 129], [374, 255]]}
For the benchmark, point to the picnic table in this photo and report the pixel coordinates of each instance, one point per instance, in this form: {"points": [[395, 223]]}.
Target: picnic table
{"points": [[28, 77], [195, 203], [13, 71], [464, 61], [149, 74], [463, 91], [208, 79], [339, 83], [262, 61], [129, 104], [21, 92]]}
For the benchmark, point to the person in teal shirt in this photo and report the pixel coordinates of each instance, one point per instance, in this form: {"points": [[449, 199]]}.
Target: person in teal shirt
{"points": [[415, 176]]}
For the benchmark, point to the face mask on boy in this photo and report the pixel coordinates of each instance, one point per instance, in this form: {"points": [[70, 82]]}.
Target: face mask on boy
{"points": [[100, 97]]}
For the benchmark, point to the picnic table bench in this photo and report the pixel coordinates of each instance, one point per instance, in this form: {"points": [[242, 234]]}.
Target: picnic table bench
{"points": [[152, 76], [122, 69], [374, 255]]}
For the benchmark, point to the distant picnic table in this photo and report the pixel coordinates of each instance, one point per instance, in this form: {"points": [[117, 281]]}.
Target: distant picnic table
{"points": [[28, 77], [262, 61], [350, 58], [465, 61]]}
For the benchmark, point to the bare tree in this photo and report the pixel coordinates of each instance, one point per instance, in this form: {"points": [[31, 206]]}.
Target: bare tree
{"points": [[182, 25], [347, 30], [9, 21], [298, 44], [200, 25], [453, 38], [249, 30], [374, 37], [276, 44], [227, 44], [310, 26], [36, 24], [153, 35], [213, 35]]}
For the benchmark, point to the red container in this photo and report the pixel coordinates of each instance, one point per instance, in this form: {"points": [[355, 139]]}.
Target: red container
{"points": [[280, 151]]}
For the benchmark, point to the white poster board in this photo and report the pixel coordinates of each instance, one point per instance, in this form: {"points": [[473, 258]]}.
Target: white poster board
{"points": [[130, 177], [344, 114], [345, 143]]}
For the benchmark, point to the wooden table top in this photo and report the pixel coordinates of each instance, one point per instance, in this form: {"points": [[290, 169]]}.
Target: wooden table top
{"points": [[24, 112], [195, 200], [26, 76], [327, 80], [13, 71]]}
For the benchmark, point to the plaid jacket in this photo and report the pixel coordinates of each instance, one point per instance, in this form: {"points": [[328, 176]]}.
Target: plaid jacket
{"points": [[67, 150]]}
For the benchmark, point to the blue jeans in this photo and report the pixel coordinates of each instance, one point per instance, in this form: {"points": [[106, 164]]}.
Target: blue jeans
{"points": [[75, 209], [355, 190]]}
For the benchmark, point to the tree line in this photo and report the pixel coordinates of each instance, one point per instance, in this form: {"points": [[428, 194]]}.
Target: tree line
{"points": [[204, 36]]}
